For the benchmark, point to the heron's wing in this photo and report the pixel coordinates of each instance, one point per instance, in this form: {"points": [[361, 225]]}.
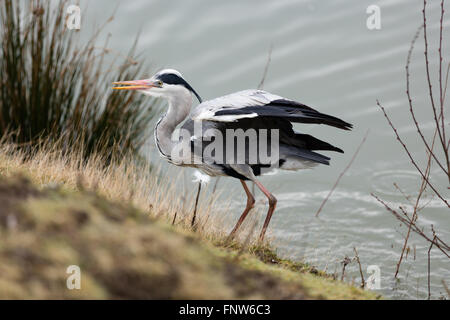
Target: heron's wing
{"points": [[259, 103]]}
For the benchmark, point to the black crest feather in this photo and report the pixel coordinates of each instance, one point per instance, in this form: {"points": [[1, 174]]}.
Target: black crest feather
{"points": [[171, 78]]}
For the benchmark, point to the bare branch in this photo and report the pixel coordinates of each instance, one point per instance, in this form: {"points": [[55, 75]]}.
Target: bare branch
{"points": [[429, 267], [266, 68], [411, 109], [196, 203], [416, 205], [438, 242], [344, 262], [446, 86], [342, 173], [407, 197], [440, 84], [363, 282], [427, 67], [410, 156]]}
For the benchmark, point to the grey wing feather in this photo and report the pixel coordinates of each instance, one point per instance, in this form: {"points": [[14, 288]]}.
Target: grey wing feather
{"points": [[259, 109], [259, 103], [233, 102]]}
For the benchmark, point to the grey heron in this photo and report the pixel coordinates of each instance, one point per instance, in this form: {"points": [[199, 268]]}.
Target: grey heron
{"points": [[249, 109]]}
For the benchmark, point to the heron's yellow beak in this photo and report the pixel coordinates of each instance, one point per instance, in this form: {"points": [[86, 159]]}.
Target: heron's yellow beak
{"points": [[133, 85]]}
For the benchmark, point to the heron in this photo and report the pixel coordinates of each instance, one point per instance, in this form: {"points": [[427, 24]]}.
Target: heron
{"points": [[248, 109]]}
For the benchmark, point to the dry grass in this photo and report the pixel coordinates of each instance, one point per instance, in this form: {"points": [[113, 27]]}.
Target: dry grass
{"points": [[122, 253], [138, 183], [44, 231], [116, 199]]}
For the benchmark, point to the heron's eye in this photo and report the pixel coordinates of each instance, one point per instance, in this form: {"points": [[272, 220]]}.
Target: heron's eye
{"points": [[160, 83]]}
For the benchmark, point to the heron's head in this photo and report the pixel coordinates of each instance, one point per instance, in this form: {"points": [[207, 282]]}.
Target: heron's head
{"points": [[167, 83]]}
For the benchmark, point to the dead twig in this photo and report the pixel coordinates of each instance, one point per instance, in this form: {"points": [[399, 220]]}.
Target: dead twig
{"points": [[429, 267], [441, 91], [411, 108], [266, 68], [446, 86], [410, 220], [416, 206], [405, 219], [363, 282], [407, 196], [410, 155], [430, 89], [196, 204], [342, 174], [446, 288], [174, 217], [345, 262]]}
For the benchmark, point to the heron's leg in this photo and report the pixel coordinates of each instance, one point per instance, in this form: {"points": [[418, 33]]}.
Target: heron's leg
{"points": [[272, 205], [250, 205]]}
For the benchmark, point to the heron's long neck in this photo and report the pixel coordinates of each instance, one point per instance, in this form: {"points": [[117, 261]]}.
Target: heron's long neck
{"points": [[178, 110]]}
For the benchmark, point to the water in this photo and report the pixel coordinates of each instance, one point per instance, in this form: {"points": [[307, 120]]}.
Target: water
{"points": [[324, 56]]}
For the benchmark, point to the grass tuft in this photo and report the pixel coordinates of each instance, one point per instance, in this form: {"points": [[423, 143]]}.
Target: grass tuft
{"points": [[53, 87]]}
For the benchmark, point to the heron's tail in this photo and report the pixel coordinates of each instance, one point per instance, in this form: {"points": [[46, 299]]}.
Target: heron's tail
{"points": [[311, 143]]}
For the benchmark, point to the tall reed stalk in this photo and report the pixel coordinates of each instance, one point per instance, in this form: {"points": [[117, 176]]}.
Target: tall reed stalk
{"points": [[53, 86]]}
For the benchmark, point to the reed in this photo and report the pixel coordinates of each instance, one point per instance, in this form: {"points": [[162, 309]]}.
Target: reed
{"points": [[56, 87]]}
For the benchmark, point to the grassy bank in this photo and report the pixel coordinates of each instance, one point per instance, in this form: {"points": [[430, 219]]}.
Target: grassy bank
{"points": [[53, 216]]}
